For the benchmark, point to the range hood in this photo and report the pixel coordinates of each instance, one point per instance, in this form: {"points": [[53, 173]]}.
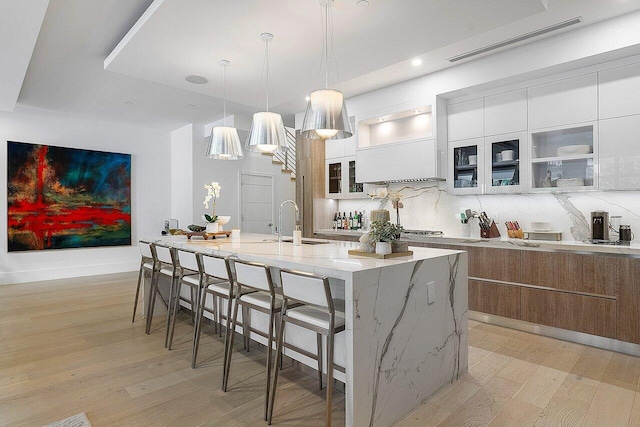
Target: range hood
{"points": [[406, 161]]}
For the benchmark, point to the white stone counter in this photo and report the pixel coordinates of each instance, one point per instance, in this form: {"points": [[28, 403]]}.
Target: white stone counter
{"points": [[406, 318], [506, 243]]}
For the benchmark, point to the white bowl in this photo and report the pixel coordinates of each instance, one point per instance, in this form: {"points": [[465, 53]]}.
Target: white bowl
{"points": [[222, 220], [507, 155], [570, 150], [570, 182], [540, 226]]}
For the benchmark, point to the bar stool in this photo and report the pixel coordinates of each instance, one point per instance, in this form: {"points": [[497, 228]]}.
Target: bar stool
{"points": [[217, 282], [255, 277], [315, 310], [147, 265], [190, 274], [166, 265]]}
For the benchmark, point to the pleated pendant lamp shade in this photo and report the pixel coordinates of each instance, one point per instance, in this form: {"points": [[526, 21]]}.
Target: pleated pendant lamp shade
{"points": [[326, 116], [267, 134], [224, 144]]}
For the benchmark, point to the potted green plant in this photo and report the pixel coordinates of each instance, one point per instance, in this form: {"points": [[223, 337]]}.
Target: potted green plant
{"points": [[384, 234]]}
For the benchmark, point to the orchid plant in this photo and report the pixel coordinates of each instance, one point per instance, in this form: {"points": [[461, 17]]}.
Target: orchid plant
{"points": [[213, 192], [394, 197]]}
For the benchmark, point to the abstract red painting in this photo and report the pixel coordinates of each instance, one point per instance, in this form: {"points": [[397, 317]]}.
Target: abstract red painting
{"points": [[67, 198]]}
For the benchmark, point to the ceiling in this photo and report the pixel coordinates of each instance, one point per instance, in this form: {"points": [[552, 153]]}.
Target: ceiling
{"points": [[126, 60]]}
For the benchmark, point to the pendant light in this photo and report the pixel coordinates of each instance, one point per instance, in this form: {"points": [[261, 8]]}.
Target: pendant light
{"points": [[267, 133], [326, 116], [224, 143]]}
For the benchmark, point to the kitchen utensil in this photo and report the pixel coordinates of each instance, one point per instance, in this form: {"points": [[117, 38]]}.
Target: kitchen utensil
{"points": [[599, 225], [570, 150], [507, 155]]}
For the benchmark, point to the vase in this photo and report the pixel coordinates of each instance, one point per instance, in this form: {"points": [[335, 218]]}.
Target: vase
{"points": [[383, 248], [212, 227]]}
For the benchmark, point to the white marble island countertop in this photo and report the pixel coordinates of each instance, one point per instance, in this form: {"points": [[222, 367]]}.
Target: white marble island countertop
{"points": [[326, 257]]}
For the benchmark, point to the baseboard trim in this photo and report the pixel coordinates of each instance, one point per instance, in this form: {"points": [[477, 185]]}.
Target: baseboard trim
{"points": [[563, 334], [16, 277]]}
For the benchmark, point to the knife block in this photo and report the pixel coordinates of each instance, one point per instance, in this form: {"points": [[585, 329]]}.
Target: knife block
{"points": [[491, 232]]}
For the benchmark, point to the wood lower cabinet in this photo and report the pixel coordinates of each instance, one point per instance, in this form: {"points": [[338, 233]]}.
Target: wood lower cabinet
{"points": [[494, 298], [591, 315]]}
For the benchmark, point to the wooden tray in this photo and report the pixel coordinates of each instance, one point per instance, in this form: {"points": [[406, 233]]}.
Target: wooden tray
{"points": [[207, 235], [375, 255]]}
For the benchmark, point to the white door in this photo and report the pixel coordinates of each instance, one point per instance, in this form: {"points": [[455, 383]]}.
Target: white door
{"points": [[256, 203]]}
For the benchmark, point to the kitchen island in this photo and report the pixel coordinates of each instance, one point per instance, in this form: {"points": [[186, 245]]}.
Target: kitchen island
{"points": [[406, 318]]}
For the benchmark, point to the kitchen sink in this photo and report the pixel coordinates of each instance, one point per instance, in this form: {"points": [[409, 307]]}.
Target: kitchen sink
{"points": [[304, 241]]}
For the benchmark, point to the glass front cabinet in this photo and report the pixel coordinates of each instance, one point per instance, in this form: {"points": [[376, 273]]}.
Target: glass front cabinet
{"points": [[341, 179], [563, 158], [488, 165], [506, 163]]}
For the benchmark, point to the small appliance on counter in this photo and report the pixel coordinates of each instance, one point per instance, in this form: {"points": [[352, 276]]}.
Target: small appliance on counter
{"points": [[599, 226]]}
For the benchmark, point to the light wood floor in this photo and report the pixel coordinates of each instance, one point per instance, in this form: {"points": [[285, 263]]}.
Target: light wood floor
{"points": [[69, 346]]}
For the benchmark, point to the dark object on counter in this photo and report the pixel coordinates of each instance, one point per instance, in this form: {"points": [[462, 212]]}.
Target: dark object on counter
{"points": [[488, 227], [196, 228], [599, 225], [626, 236]]}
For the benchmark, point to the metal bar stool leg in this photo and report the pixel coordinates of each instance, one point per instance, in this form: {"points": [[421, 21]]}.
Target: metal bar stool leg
{"points": [[319, 346], [176, 307], [272, 394], [135, 302], [198, 326], [229, 350], [169, 311], [153, 290]]}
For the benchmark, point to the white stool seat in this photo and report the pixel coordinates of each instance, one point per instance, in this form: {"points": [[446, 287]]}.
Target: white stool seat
{"points": [[194, 279], [262, 299], [166, 271], [315, 316], [147, 265], [222, 288]]}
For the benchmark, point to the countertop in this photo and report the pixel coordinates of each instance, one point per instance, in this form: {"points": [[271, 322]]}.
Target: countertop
{"points": [[330, 259], [505, 242]]}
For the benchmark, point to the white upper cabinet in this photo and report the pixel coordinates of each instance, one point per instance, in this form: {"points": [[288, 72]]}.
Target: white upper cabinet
{"points": [[619, 91], [336, 148], [465, 120], [564, 102], [505, 113], [620, 153]]}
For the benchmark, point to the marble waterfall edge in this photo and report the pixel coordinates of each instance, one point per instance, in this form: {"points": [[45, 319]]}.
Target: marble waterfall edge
{"points": [[414, 347]]}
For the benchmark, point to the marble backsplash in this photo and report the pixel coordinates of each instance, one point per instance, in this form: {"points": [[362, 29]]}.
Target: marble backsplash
{"points": [[428, 206]]}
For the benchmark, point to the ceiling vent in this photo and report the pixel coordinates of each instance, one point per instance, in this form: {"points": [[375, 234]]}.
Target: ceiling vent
{"points": [[517, 39]]}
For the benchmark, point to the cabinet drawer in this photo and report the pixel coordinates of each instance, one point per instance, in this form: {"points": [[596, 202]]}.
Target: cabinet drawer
{"points": [[570, 272], [591, 315], [495, 264], [494, 298]]}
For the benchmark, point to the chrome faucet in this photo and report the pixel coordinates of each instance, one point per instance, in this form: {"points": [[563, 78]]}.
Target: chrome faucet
{"points": [[280, 217]]}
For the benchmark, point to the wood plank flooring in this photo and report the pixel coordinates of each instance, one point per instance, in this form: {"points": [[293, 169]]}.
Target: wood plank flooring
{"points": [[68, 346]]}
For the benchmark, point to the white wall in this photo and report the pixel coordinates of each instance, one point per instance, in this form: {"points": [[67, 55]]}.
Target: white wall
{"points": [[182, 175], [227, 173], [150, 191]]}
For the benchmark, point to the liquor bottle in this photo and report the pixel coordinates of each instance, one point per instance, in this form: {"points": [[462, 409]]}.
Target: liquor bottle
{"points": [[334, 224], [345, 221], [363, 221], [359, 226], [350, 221]]}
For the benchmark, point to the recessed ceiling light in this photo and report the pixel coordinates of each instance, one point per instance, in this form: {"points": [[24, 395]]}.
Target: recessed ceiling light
{"points": [[128, 102], [196, 80], [363, 2], [191, 105], [381, 120], [416, 62], [416, 111]]}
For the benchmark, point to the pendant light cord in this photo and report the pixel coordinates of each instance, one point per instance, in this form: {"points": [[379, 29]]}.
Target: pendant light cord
{"points": [[267, 60], [326, 44], [224, 95]]}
